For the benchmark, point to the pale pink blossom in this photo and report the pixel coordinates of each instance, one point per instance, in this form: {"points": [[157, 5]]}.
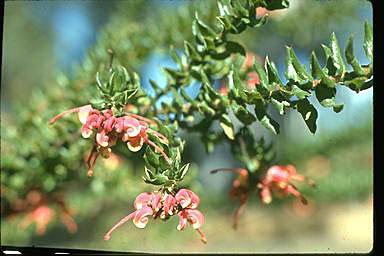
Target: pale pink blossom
{"points": [[187, 198]]}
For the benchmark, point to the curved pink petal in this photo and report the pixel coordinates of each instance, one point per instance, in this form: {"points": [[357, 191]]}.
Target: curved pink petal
{"points": [[119, 124], [141, 218], [143, 199], [108, 125], [102, 139], [169, 204], [83, 113], [108, 113], [183, 220], [187, 198], [195, 217], [85, 131], [135, 144], [277, 174], [156, 201], [132, 126]]}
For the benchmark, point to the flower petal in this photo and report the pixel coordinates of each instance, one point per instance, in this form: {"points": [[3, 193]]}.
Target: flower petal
{"points": [[183, 220], [86, 132], [102, 139], [84, 112], [195, 217], [156, 202], [187, 198], [135, 144], [143, 199], [169, 204], [140, 220], [132, 126]]}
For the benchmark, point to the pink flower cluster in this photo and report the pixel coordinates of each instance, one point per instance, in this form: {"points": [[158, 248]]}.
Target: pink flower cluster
{"points": [[42, 215], [130, 128], [279, 178], [184, 204]]}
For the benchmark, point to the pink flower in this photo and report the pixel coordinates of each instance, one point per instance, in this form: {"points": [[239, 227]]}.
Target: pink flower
{"points": [[141, 217], [194, 217], [156, 201], [143, 199], [183, 220], [84, 112], [169, 204], [187, 199], [280, 177], [102, 138], [108, 126], [151, 204], [132, 126], [132, 129], [42, 215], [135, 143]]}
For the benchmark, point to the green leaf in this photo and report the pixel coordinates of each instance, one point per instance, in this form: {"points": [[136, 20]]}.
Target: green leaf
{"points": [[359, 83], [226, 124], [154, 85], [151, 157], [262, 76], [234, 47], [299, 93], [101, 85], [280, 104], [149, 174], [317, 72], [243, 114], [294, 71], [191, 52], [309, 114], [205, 29], [236, 84], [227, 25], [351, 59], [336, 56], [175, 57], [276, 4], [198, 36], [326, 97], [175, 75], [225, 7], [273, 75], [368, 41], [240, 10], [183, 171], [265, 119]]}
